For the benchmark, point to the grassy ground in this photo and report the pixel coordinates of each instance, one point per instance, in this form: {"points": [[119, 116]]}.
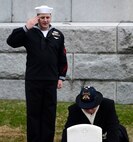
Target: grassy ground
{"points": [[13, 120]]}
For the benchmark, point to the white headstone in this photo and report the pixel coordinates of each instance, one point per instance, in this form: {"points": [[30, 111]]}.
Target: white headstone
{"points": [[84, 133]]}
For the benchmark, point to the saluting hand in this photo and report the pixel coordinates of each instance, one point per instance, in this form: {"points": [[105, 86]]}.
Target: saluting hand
{"points": [[31, 22]]}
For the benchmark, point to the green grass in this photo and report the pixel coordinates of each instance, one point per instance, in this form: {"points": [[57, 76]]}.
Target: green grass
{"points": [[13, 120], [125, 113], [12, 113]]}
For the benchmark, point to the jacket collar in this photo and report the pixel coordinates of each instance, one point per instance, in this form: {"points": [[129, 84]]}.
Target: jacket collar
{"points": [[38, 27]]}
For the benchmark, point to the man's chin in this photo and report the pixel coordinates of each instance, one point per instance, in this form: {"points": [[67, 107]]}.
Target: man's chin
{"points": [[44, 27]]}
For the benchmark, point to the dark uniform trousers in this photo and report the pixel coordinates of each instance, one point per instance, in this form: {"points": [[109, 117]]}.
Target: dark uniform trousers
{"points": [[41, 100]]}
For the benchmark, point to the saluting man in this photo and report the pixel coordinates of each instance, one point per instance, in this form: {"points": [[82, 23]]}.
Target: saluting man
{"points": [[46, 69]]}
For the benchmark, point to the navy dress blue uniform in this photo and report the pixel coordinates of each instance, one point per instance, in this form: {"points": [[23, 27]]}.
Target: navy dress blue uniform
{"points": [[106, 116], [46, 64]]}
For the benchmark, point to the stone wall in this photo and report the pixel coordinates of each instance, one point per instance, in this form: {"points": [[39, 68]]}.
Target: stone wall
{"points": [[99, 54], [68, 10]]}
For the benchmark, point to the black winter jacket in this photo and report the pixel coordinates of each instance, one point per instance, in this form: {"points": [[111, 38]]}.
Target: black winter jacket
{"points": [[46, 56], [106, 118]]}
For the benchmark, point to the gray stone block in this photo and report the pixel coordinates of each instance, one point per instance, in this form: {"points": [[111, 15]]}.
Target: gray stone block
{"points": [[103, 67], [91, 37], [12, 65], [107, 88], [125, 38], [23, 10], [5, 10], [125, 92], [12, 89], [70, 66], [102, 10], [6, 29]]}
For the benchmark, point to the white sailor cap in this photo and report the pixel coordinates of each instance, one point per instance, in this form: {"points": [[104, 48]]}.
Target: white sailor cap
{"points": [[43, 9]]}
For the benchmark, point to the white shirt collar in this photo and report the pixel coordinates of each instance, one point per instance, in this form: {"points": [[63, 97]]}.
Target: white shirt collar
{"points": [[91, 117], [45, 33]]}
